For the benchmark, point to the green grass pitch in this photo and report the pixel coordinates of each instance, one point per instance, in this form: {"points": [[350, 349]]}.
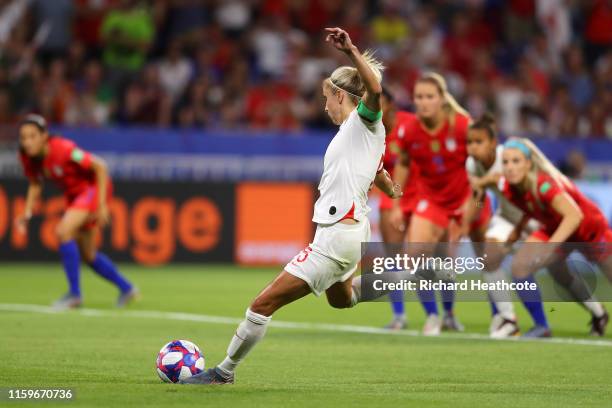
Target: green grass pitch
{"points": [[109, 357]]}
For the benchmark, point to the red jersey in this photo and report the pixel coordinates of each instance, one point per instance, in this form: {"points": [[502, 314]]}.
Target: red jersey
{"points": [[539, 207], [440, 159], [65, 164], [392, 153]]}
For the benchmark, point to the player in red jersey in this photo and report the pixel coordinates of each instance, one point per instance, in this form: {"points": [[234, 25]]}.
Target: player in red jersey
{"points": [[395, 122], [435, 140], [83, 178], [538, 189]]}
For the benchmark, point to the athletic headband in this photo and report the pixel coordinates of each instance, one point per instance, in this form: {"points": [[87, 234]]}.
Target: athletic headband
{"points": [[341, 89], [36, 120], [517, 144]]}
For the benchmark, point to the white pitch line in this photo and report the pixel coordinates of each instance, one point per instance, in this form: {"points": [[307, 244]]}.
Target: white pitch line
{"points": [[153, 314]]}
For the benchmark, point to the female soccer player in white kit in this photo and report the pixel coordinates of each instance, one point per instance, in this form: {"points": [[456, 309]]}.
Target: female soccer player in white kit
{"points": [[353, 161]]}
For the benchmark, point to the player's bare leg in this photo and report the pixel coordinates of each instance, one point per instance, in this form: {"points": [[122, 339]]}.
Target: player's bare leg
{"points": [[579, 290], [606, 266], [422, 233], [340, 294], [104, 267], [391, 234], [67, 231], [285, 289]]}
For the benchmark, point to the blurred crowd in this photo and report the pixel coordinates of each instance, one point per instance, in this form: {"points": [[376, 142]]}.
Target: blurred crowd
{"points": [[543, 66]]}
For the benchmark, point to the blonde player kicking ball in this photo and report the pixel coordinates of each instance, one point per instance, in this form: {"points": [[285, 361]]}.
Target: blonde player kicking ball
{"points": [[352, 163]]}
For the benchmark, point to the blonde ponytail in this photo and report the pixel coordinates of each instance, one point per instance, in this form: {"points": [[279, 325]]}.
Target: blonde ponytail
{"points": [[541, 163], [347, 79]]}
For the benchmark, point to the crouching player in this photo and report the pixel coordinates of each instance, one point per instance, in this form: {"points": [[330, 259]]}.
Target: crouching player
{"points": [[484, 167], [83, 178], [352, 163], [536, 187]]}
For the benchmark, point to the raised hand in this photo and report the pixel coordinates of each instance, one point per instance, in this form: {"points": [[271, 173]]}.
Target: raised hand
{"points": [[339, 39]]}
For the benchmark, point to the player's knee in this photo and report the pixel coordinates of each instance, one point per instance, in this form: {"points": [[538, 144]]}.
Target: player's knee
{"points": [[339, 302], [520, 270], [492, 263], [64, 233], [88, 256]]}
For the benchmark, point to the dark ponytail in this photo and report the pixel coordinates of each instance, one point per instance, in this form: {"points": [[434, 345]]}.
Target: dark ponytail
{"points": [[487, 123]]}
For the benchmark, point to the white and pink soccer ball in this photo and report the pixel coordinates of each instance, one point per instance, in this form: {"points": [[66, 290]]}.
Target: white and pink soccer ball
{"points": [[179, 360]]}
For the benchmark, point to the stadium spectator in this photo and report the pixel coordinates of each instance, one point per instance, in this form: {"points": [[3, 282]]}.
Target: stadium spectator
{"points": [[92, 105], [563, 119], [514, 58], [89, 15], [56, 17], [127, 33], [185, 20], [56, 93], [427, 37], [577, 78], [175, 71], [574, 165], [268, 106], [389, 27], [598, 34], [196, 107], [233, 16]]}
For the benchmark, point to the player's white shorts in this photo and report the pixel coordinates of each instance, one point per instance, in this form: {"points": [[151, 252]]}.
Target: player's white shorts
{"points": [[333, 255], [500, 228]]}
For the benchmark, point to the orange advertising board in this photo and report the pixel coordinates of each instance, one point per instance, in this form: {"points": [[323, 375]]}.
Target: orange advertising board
{"points": [[273, 221]]}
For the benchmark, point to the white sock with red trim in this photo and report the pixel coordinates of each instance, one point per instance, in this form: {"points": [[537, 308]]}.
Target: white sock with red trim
{"points": [[249, 332]]}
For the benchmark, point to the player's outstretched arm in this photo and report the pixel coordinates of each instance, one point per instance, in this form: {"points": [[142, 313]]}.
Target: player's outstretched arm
{"points": [[33, 194], [572, 215], [341, 40], [517, 231], [401, 172]]}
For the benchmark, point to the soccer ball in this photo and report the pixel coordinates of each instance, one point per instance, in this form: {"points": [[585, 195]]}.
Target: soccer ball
{"points": [[178, 360]]}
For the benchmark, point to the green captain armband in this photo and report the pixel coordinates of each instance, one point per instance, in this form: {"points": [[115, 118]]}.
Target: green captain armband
{"points": [[367, 114]]}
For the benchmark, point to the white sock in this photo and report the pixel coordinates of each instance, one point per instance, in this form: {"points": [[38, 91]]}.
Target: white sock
{"points": [[594, 307], [249, 332], [501, 298], [579, 289]]}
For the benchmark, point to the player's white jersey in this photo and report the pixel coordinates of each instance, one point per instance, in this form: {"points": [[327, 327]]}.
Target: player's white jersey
{"points": [[506, 209], [349, 168]]}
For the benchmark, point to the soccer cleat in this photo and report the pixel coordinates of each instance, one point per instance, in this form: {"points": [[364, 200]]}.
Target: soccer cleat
{"points": [[211, 376], [433, 325], [598, 324], [507, 328], [451, 323], [538, 332], [68, 301], [128, 297], [398, 323]]}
